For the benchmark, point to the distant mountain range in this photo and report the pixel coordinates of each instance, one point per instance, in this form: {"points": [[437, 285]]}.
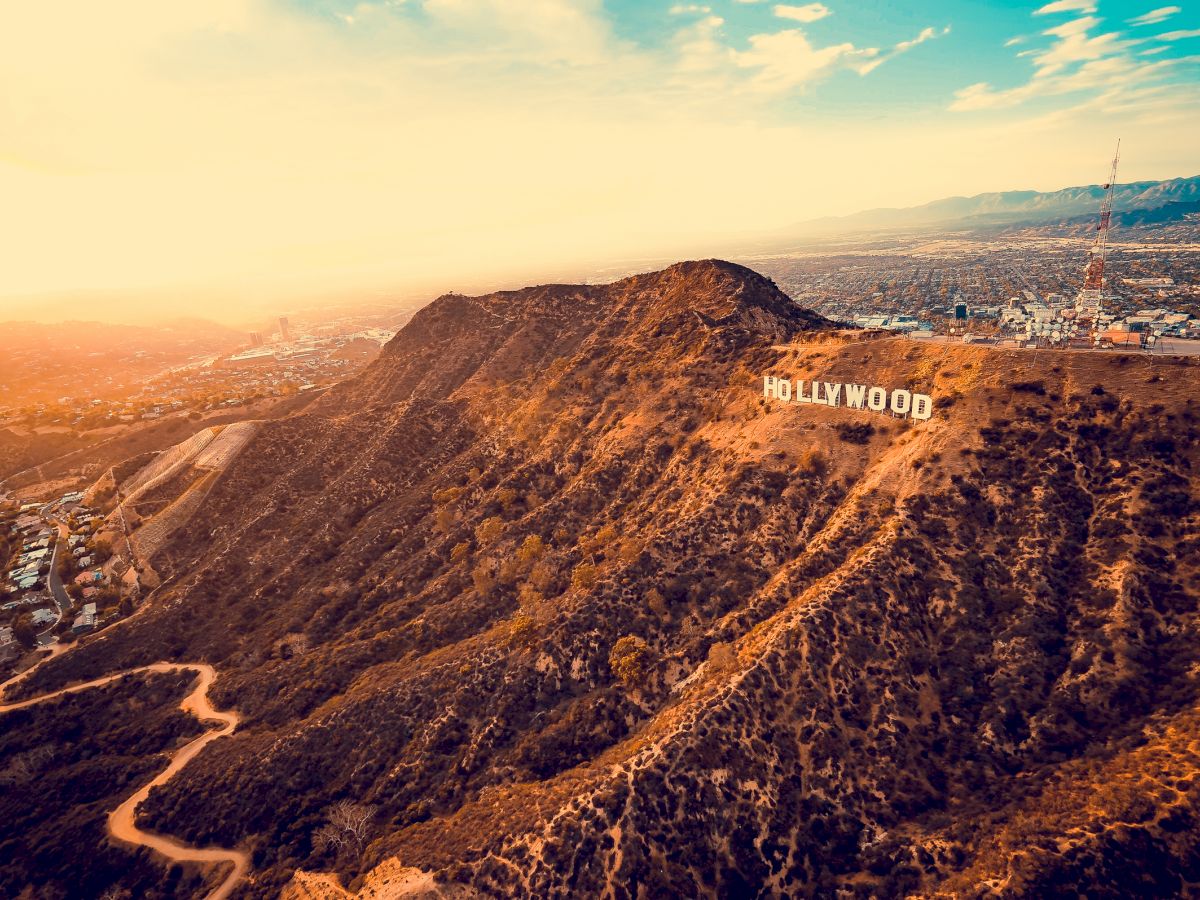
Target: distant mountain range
{"points": [[1136, 203]]}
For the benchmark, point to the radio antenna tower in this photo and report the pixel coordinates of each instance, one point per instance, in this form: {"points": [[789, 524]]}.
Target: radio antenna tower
{"points": [[1093, 275]]}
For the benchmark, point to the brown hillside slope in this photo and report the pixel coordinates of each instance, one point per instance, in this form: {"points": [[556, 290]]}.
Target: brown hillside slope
{"points": [[578, 613]]}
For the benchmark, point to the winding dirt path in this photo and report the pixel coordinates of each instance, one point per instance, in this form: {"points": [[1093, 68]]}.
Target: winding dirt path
{"points": [[121, 824]]}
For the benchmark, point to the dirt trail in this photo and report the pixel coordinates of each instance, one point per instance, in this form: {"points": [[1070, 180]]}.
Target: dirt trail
{"points": [[121, 824]]}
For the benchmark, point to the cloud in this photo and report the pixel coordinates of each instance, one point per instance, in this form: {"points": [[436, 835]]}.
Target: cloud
{"points": [[1075, 45], [682, 9], [1013, 41], [926, 34], [246, 151], [1059, 6], [786, 59], [698, 48], [1078, 60], [1155, 15], [810, 12], [1179, 35]]}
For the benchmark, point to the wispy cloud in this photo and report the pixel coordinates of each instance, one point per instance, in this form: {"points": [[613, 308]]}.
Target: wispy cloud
{"points": [[787, 59], [927, 34], [1061, 6], [810, 12], [1179, 35], [1155, 15], [1080, 59]]}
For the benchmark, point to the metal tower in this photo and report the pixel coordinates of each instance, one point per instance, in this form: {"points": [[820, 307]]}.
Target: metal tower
{"points": [[1093, 275]]}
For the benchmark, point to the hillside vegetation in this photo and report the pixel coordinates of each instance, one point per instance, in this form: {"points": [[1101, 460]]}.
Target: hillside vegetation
{"points": [[556, 601]]}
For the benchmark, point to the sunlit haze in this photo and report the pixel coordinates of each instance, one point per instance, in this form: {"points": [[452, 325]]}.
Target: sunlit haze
{"points": [[218, 158]]}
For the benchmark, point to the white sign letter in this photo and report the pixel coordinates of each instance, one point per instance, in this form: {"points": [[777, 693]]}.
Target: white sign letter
{"points": [[769, 383], [922, 406], [783, 390], [832, 393], [855, 394], [877, 399], [901, 401]]}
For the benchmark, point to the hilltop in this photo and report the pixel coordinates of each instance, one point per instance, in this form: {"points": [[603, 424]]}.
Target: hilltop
{"points": [[555, 592]]}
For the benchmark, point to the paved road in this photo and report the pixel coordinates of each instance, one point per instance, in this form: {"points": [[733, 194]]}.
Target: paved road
{"points": [[121, 821], [62, 599], [56, 586]]}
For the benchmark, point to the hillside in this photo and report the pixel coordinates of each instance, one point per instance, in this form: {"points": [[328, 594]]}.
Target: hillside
{"points": [[555, 596]]}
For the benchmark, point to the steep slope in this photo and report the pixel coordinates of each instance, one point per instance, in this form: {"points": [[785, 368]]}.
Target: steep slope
{"points": [[574, 611]]}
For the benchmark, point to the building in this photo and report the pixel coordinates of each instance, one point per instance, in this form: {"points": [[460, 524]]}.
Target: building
{"points": [[86, 620], [261, 356], [285, 332], [1123, 338], [256, 339], [42, 617]]}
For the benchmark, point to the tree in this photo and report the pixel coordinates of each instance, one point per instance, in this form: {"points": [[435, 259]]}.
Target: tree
{"points": [[448, 495], [531, 550], [631, 549], [483, 579], [631, 660], [528, 596], [489, 529], [348, 825], [520, 629], [600, 541], [584, 576], [813, 462], [24, 634]]}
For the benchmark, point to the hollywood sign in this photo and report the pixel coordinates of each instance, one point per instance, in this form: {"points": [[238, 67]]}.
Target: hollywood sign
{"points": [[851, 396]]}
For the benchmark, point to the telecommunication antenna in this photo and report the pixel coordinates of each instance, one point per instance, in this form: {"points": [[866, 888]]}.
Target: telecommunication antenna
{"points": [[1093, 275]]}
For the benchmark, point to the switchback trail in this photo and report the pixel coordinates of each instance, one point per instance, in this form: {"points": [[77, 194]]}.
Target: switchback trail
{"points": [[121, 824]]}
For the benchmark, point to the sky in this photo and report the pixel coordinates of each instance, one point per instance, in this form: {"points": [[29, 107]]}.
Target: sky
{"points": [[217, 157]]}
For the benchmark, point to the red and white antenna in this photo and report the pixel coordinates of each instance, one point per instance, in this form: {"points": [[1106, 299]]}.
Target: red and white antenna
{"points": [[1093, 275]]}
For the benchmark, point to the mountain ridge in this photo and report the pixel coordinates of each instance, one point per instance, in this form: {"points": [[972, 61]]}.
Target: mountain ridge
{"points": [[1008, 208]]}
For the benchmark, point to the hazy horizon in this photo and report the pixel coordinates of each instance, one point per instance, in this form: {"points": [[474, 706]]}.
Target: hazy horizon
{"points": [[231, 158]]}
